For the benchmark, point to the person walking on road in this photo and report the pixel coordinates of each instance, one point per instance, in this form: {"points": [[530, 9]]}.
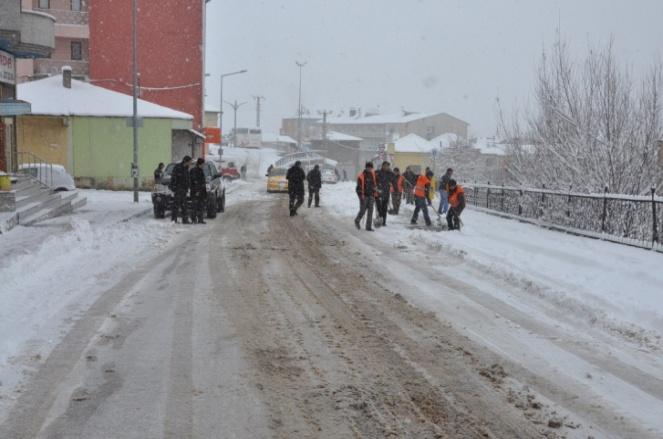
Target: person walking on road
{"points": [[410, 181], [366, 186], [198, 191], [179, 185], [397, 192], [443, 188], [456, 204], [158, 173], [295, 177], [421, 189], [385, 184], [314, 179]]}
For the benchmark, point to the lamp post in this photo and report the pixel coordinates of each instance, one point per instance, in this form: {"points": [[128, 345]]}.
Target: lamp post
{"points": [[223, 75], [235, 106], [299, 106]]}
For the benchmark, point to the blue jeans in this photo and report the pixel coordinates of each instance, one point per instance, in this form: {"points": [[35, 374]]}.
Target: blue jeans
{"points": [[420, 204], [444, 202]]}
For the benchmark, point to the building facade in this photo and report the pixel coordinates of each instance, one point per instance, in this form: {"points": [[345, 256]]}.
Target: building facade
{"points": [[380, 129], [170, 51], [310, 128], [84, 128], [24, 34], [71, 40]]}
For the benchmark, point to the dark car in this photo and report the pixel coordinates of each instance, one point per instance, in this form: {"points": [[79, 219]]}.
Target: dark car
{"points": [[162, 196]]}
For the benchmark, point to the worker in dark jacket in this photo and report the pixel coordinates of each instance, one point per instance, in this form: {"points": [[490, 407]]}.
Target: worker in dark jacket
{"points": [[443, 188], [198, 191], [314, 179], [366, 186], [179, 185], [397, 192], [456, 205], [296, 177], [385, 185]]}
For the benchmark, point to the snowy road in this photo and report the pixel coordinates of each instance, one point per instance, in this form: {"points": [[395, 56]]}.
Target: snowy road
{"points": [[259, 325]]}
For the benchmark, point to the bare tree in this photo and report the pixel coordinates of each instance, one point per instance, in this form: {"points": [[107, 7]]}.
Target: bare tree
{"points": [[592, 126]]}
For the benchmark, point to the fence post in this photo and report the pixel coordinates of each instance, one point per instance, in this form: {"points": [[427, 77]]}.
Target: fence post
{"points": [[568, 203], [520, 204], [605, 208], [653, 211], [476, 195], [488, 196], [502, 200]]}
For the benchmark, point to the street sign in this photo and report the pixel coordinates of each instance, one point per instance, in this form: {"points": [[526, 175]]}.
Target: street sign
{"points": [[7, 68], [134, 171], [212, 135]]}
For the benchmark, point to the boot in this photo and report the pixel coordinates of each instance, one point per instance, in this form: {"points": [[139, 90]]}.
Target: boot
{"points": [[186, 220], [201, 221], [357, 224]]}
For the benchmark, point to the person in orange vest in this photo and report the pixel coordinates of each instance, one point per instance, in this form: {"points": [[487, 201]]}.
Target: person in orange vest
{"points": [[456, 205], [397, 192], [421, 189], [366, 191]]}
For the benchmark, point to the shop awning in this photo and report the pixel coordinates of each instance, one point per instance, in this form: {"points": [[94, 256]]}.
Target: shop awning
{"points": [[11, 107]]}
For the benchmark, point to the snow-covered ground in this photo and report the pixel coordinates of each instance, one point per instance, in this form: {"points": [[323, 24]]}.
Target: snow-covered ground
{"points": [[581, 313], [608, 284], [53, 271]]}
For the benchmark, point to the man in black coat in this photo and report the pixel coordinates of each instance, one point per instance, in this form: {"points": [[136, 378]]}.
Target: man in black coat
{"points": [[410, 181], [179, 184], [198, 191], [158, 173], [314, 179], [366, 187], [296, 177], [385, 182]]}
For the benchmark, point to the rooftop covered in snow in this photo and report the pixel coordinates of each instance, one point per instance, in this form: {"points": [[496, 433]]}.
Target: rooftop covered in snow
{"points": [[413, 143], [49, 97], [276, 138], [335, 136]]}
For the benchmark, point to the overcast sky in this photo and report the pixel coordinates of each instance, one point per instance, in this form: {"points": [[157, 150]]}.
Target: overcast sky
{"points": [[455, 56]]}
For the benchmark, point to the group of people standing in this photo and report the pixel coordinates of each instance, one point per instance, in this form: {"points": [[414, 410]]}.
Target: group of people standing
{"points": [[186, 178], [376, 188], [296, 177]]}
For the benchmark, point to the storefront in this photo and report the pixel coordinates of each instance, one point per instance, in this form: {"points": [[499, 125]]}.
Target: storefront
{"points": [[9, 109]]}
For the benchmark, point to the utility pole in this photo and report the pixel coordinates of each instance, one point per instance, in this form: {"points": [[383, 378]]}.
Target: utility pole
{"points": [[299, 106], [135, 172], [235, 106], [324, 114], [258, 99]]}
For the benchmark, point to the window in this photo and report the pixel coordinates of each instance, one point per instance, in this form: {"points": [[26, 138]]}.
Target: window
{"points": [[76, 5], [44, 4], [76, 51]]}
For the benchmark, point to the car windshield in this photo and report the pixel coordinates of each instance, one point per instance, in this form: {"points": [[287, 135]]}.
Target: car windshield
{"points": [[169, 169]]}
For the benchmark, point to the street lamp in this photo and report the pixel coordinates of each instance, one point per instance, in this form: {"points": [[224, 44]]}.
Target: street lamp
{"points": [[223, 75], [299, 107]]}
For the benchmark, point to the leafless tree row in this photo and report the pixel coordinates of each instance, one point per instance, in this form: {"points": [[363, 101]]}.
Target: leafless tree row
{"points": [[592, 125]]}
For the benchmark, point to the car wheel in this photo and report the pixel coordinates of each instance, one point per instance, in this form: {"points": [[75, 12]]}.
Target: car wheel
{"points": [[159, 211], [222, 202], [211, 207]]}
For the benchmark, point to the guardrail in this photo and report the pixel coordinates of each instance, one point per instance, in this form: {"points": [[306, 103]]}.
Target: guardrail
{"points": [[628, 219], [35, 167]]}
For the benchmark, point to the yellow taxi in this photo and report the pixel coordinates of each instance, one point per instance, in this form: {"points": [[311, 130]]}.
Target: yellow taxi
{"points": [[276, 181]]}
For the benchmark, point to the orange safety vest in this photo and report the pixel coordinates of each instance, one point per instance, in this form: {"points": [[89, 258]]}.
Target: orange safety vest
{"points": [[454, 197], [420, 186], [400, 182], [362, 183]]}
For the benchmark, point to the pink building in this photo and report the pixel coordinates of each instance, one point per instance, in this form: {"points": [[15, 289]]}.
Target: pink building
{"points": [[71, 40]]}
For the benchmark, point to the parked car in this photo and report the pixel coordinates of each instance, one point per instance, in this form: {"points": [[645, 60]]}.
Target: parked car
{"points": [[276, 181], [54, 176], [329, 176], [162, 196], [230, 172]]}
